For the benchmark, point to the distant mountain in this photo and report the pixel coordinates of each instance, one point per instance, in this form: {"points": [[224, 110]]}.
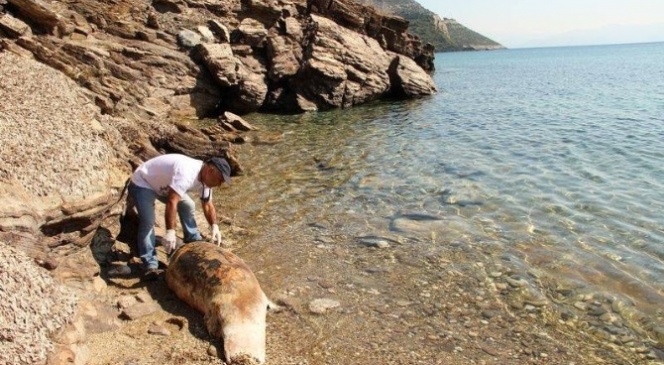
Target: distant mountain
{"points": [[444, 34], [610, 34]]}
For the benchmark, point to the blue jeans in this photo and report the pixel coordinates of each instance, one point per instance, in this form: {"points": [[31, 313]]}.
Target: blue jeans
{"points": [[144, 200]]}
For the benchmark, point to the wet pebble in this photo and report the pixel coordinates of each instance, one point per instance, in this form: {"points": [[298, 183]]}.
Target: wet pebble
{"points": [[374, 242], [597, 311], [536, 301], [529, 308], [566, 315], [618, 305], [501, 286], [325, 284], [609, 317], [516, 282], [488, 314], [489, 349], [625, 340], [516, 305], [565, 292], [641, 350], [581, 306]]}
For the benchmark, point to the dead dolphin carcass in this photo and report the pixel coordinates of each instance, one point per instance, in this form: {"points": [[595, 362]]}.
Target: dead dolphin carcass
{"points": [[221, 286]]}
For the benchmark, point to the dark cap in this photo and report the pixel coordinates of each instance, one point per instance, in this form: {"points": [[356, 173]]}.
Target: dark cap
{"points": [[222, 165]]}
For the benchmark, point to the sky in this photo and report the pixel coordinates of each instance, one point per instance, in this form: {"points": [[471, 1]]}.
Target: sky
{"points": [[541, 23]]}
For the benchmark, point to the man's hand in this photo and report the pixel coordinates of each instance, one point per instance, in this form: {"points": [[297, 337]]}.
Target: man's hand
{"points": [[169, 241], [216, 235]]}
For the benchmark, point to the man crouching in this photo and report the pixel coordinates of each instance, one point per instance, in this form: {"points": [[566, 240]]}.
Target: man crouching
{"points": [[168, 178]]}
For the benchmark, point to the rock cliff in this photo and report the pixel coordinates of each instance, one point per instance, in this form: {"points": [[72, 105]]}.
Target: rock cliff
{"points": [[155, 58], [443, 33]]}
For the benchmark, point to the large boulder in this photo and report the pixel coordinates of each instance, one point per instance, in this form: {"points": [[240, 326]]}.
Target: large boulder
{"points": [[241, 78], [286, 55], [221, 62], [389, 30], [342, 68], [408, 80]]}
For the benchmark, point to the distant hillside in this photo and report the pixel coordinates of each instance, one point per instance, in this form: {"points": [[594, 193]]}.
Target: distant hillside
{"points": [[445, 34]]}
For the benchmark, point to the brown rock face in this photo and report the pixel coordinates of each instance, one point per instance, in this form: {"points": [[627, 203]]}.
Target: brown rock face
{"points": [[389, 30], [59, 165], [348, 68], [91, 88], [407, 81], [135, 59], [63, 164]]}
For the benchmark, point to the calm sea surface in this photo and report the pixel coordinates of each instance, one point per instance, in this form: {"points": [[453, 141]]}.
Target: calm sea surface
{"points": [[550, 159]]}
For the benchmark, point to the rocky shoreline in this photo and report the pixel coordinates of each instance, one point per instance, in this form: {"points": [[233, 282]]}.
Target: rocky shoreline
{"points": [[376, 301], [129, 78], [89, 89]]}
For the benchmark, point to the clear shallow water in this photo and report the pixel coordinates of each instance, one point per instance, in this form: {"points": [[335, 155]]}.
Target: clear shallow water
{"points": [[550, 158]]}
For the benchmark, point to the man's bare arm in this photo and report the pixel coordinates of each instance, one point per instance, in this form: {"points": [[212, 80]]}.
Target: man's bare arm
{"points": [[171, 208], [209, 211]]}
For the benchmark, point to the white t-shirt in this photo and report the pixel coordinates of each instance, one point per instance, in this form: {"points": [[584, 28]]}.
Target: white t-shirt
{"points": [[176, 171]]}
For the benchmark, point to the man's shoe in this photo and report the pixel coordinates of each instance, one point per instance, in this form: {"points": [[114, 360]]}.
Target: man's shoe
{"points": [[152, 274]]}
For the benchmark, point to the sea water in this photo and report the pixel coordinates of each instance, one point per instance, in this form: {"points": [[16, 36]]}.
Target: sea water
{"points": [[553, 157]]}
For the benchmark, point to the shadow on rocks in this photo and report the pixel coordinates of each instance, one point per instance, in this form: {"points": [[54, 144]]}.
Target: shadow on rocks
{"points": [[180, 313], [121, 269]]}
